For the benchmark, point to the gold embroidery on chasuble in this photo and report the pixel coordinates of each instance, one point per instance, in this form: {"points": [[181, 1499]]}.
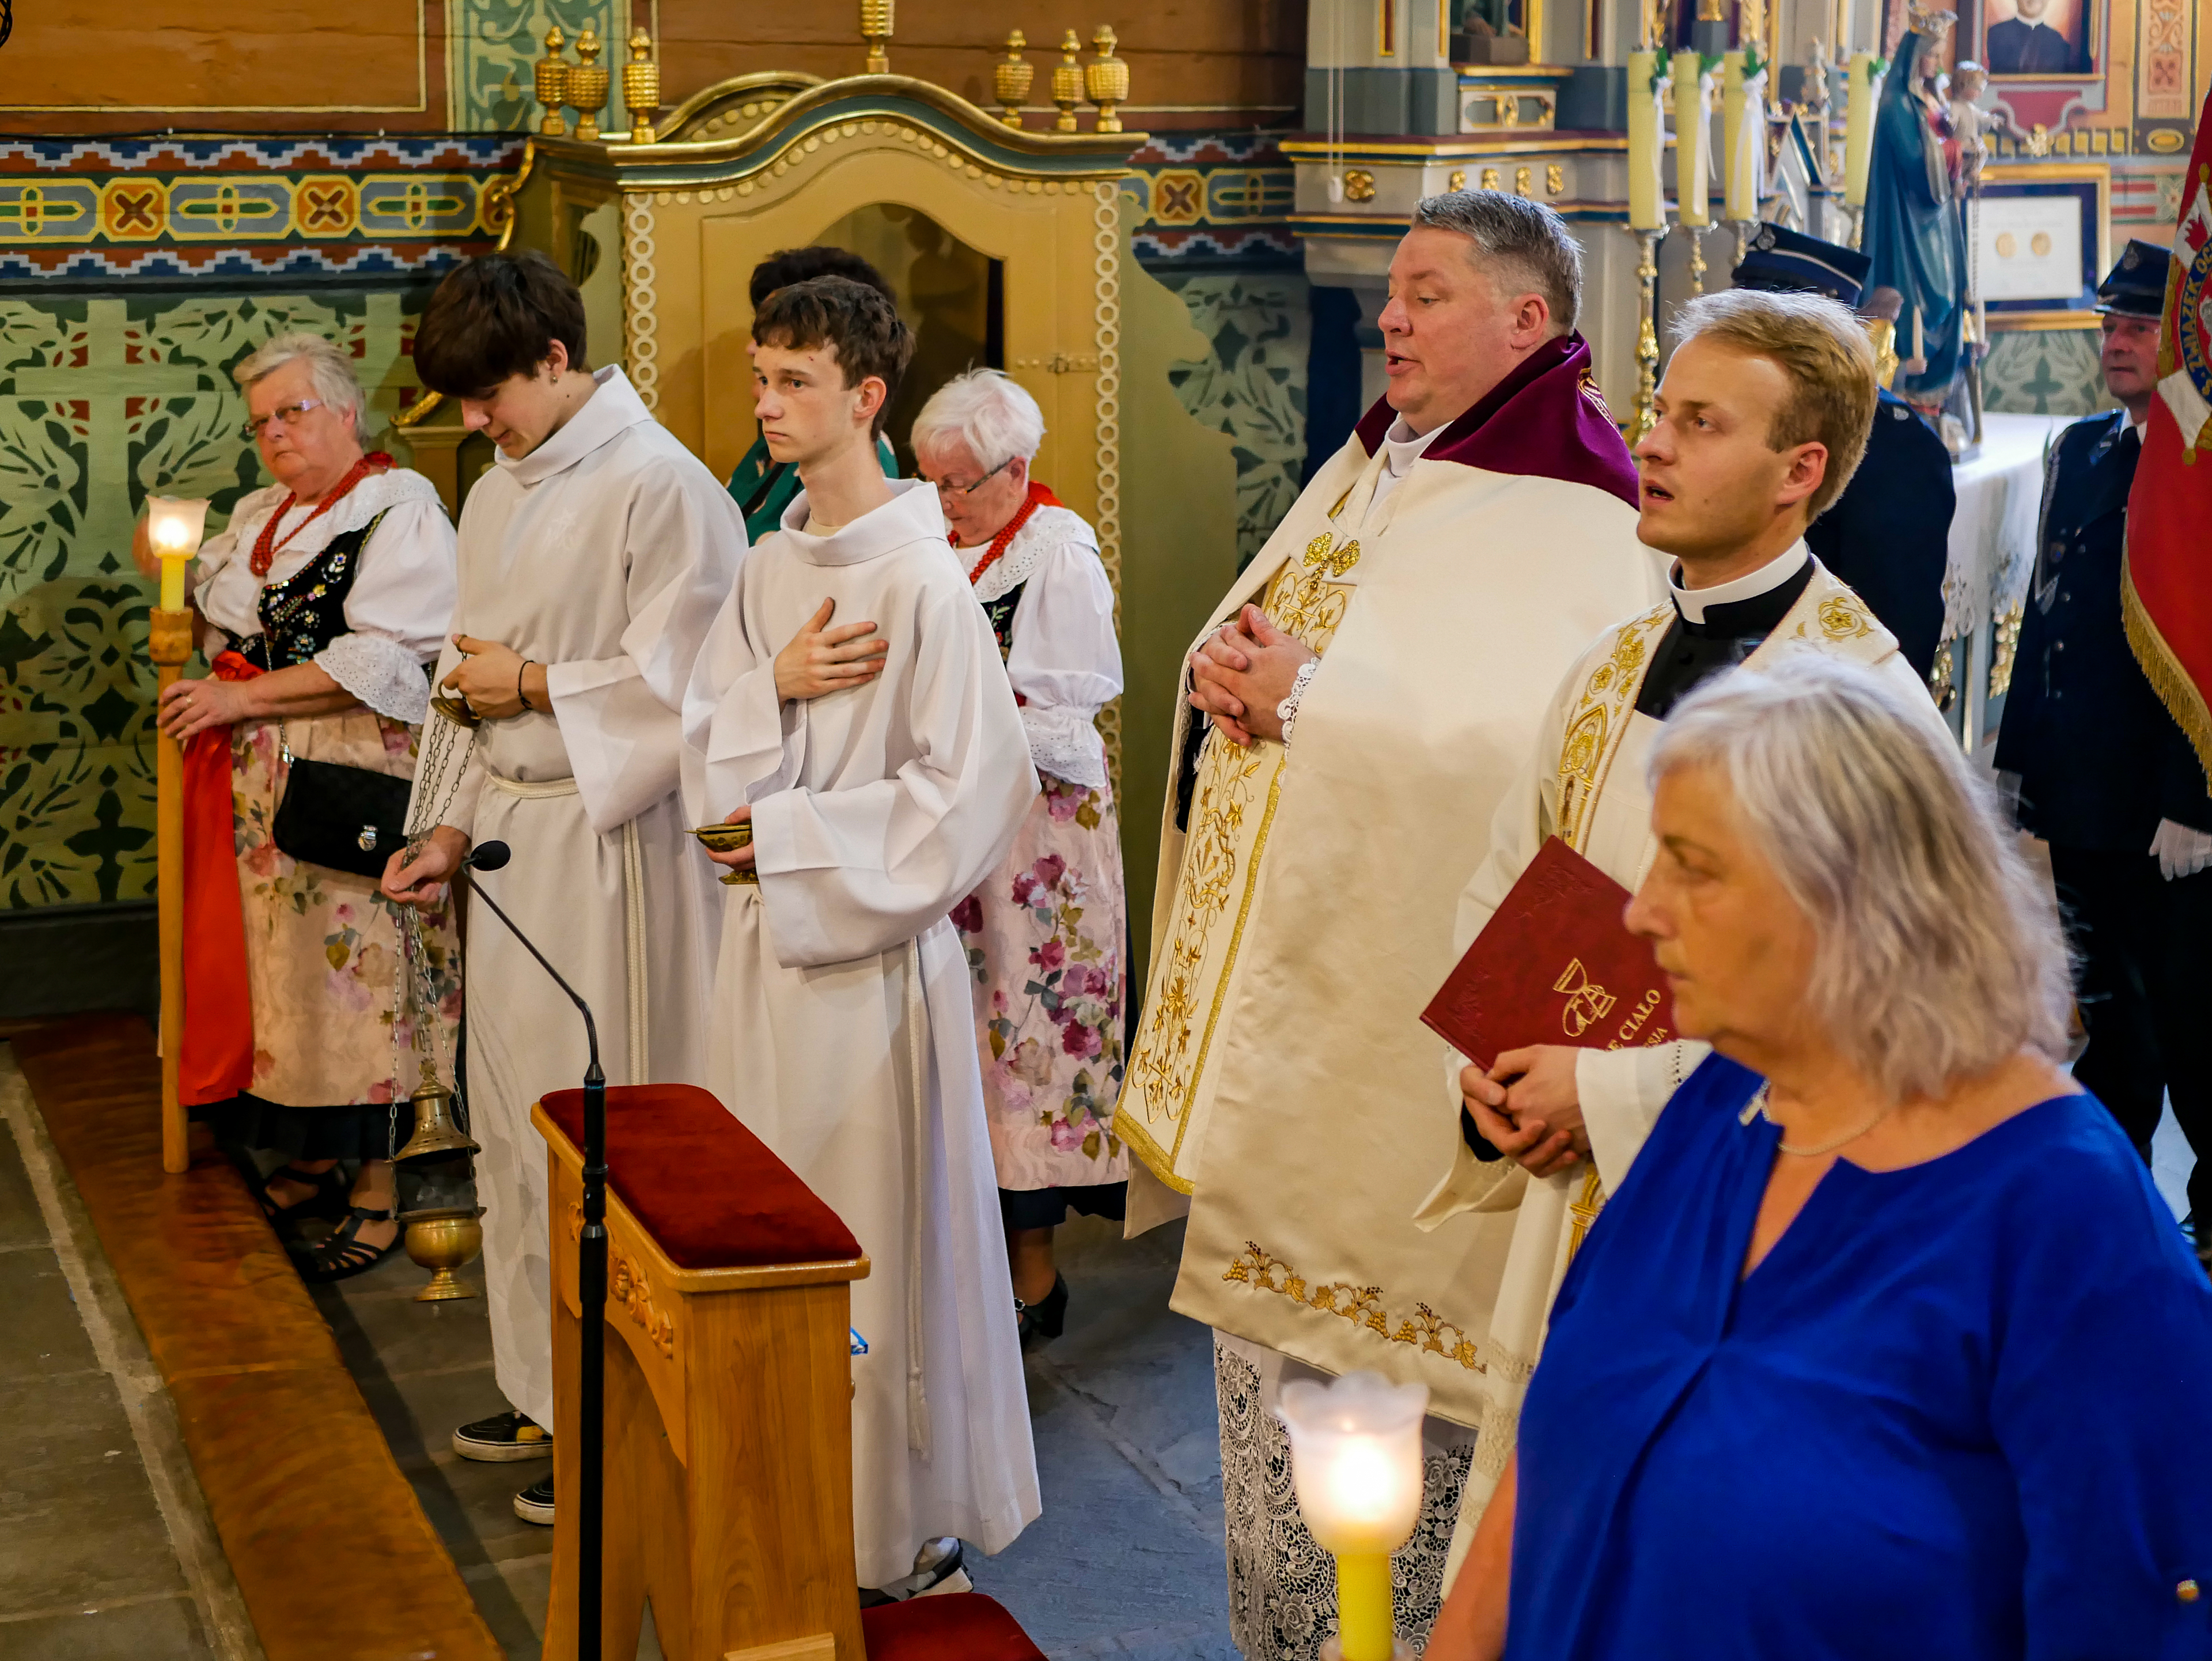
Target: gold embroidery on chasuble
{"points": [[1222, 852], [1363, 1306]]}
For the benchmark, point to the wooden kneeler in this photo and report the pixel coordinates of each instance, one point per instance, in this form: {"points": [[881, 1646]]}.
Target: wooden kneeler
{"points": [[729, 1403]]}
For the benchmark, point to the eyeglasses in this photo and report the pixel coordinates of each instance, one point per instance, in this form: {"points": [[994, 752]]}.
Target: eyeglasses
{"points": [[285, 415], [969, 490]]}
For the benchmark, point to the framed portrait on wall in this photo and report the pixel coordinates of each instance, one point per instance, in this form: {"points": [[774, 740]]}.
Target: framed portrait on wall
{"points": [[2037, 40]]}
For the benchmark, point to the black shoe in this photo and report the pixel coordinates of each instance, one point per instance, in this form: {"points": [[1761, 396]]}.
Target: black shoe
{"points": [[535, 1503], [938, 1568], [329, 1200], [502, 1438], [1046, 1317], [344, 1255]]}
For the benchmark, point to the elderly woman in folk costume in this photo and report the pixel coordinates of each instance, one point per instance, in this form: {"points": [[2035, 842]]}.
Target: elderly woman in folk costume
{"points": [[320, 607], [1045, 935]]}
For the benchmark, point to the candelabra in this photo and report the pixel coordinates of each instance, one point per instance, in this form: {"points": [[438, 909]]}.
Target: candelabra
{"points": [[1010, 79], [1067, 84], [1647, 332], [1697, 268], [1107, 80]]}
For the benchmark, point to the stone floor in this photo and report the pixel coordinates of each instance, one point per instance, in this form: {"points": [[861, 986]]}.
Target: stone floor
{"points": [[1125, 1561]]}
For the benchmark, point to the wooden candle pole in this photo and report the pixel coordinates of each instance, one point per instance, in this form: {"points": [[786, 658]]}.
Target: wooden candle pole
{"points": [[170, 643]]}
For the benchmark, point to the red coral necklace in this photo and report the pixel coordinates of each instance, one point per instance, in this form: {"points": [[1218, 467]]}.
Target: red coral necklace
{"points": [[269, 545], [1040, 496]]}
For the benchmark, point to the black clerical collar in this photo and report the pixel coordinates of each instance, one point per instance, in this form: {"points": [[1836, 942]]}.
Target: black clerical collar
{"points": [[1749, 604]]}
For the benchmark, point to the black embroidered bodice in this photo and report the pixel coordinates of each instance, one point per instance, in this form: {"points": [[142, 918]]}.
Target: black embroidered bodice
{"points": [[1001, 613], [306, 612]]}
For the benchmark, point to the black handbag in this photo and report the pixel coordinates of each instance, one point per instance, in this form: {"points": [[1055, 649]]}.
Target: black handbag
{"points": [[346, 818]]}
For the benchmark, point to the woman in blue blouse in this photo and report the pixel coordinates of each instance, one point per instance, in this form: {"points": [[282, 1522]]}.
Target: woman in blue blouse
{"points": [[1886, 1347]]}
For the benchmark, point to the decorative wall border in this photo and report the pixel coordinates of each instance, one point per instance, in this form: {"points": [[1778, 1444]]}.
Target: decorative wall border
{"points": [[1106, 263], [641, 323], [1209, 198]]}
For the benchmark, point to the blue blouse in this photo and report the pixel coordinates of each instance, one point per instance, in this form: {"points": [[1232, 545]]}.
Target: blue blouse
{"points": [[1960, 1411]]}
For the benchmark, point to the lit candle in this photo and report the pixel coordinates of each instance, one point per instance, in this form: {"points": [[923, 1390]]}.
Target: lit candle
{"points": [[1647, 192], [174, 526], [1743, 134], [1355, 1464], [1862, 88], [1693, 130]]}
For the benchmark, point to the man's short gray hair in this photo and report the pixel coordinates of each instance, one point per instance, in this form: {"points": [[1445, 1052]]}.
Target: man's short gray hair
{"points": [[1940, 952], [329, 370], [986, 410], [1528, 244]]}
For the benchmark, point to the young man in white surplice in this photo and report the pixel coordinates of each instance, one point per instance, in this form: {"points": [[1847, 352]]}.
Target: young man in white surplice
{"points": [[849, 703], [593, 558]]}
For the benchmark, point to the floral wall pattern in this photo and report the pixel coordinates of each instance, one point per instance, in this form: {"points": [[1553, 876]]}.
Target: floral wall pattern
{"points": [[492, 44], [2045, 372], [102, 402]]}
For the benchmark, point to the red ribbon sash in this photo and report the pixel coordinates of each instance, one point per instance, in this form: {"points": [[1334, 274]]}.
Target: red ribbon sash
{"points": [[214, 1059]]}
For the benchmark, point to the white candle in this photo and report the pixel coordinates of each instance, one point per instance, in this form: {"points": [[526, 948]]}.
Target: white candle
{"points": [[1694, 129], [1646, 190], [1862, 90], [1743, 136]]}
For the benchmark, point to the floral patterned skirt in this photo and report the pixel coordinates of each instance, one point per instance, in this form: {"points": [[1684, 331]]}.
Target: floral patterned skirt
{"points": [[323, 957], [1045, 937]]}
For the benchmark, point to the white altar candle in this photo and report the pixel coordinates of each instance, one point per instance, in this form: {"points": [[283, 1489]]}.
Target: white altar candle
{"points": [[1693, 131], [1647, 195], [1862, 88], [1743, 135]]}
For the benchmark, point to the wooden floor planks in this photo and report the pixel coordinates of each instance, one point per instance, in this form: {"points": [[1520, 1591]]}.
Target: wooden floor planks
{"points": [[330, 1547]]}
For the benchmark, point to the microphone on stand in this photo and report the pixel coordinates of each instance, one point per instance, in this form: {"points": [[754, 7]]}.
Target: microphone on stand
{"points": [[591, 1284]]}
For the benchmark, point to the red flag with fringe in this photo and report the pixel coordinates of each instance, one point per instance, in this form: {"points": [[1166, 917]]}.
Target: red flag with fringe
{"points": [[2166, 581]]}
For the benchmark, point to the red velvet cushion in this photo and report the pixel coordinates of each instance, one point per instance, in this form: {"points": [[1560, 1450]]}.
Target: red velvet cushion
{"points": [[958, 1625], [707, 1188]]}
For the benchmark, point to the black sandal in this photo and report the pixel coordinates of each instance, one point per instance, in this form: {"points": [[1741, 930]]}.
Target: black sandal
{"points": [[329, 1199], [343, 1255]]}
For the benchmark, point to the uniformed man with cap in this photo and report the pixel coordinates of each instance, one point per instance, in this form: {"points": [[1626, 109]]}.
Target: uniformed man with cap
{"points": [[1887, 537], [2105, 775]]}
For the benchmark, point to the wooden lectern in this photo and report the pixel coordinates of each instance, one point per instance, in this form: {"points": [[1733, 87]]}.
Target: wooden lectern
{"points": [[729, 1403]]}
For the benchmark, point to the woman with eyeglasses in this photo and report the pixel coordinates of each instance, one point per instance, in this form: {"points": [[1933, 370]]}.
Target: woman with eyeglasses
{"points": [[1045, 935], [320, 607]]}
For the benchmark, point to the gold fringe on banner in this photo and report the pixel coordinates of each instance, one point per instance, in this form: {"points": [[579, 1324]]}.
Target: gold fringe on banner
{"points": [[2172, 681]]}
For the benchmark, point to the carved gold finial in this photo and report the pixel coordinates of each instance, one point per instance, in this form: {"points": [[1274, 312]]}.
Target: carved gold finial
{"points": [[876, 30], [1708, 11], [1751, 23], [588, 84], [640, 87], [552, 86], [1107, 80], [1010, 81], [1067, 84]]}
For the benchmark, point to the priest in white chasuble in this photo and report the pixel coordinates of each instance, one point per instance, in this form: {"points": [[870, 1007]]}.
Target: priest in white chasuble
{"points": [[1373, 680], [593, 558], [850, 706], [1762, 419]]}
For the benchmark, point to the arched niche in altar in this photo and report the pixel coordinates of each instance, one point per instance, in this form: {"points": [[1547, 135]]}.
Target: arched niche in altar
{"points": [[1009, 248]]}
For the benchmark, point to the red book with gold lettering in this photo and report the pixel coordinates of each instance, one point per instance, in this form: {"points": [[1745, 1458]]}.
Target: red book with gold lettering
{"points": [[1556, 965]]}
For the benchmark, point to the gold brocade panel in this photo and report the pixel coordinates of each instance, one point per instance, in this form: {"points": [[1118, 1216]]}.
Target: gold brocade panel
{"points": [[1232, 806]]}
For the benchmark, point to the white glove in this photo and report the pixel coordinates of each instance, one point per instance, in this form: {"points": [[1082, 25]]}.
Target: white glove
{"points": [[2181, 851]]}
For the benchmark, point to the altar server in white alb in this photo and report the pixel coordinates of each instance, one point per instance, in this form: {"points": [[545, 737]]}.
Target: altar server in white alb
{"points": [[1374, 681], [1044, 932], [850, 706], [593, 558], [1762, 419]]}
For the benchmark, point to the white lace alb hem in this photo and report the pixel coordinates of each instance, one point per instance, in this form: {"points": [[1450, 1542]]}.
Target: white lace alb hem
{"points": [[382, 673], [1064, 743]]}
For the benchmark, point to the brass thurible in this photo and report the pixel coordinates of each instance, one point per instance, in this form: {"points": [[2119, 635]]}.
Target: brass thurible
{"points": [[1010, 79], [1067, 84], [441, 1245], [1107, 80], [588, 84], [436, 1133], [876, 30], [552, 85], [640, 87], [726, 839]]}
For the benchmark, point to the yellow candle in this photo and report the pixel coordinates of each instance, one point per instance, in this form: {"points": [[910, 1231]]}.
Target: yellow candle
{"points": [[1743, 136], [1693, 130], [1646, 190], [1862, 88], [174, 525], [1367, 1627], [173, 582]]}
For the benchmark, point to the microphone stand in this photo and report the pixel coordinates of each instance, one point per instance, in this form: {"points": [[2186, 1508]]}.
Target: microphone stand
{"points": [[592, 1293]]}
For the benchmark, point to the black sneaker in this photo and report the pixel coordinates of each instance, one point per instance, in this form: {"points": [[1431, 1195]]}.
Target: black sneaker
{"points": [[535, 1503], [938, 1569], [502, 1438]]}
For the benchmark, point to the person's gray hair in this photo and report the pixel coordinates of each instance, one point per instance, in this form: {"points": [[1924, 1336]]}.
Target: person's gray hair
{"points": [[986, 410], [328, 368], [1940, 952], [1528, 244]]}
